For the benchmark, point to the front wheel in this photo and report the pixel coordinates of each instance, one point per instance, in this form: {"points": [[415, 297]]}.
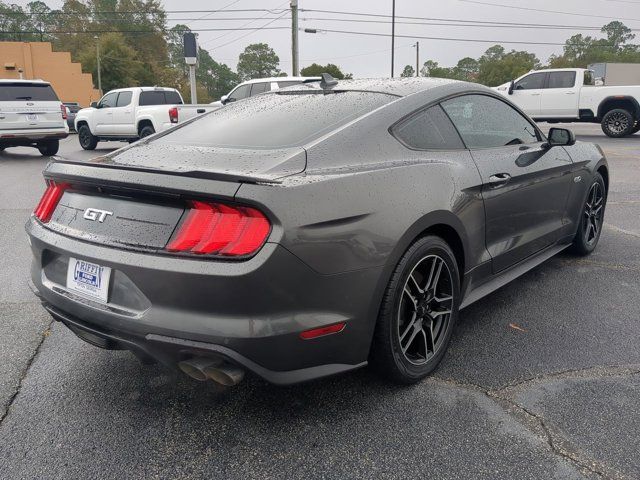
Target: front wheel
{"points": [[617, 123], [591, 218], [418, 312], [87, 140], [49, 148]]}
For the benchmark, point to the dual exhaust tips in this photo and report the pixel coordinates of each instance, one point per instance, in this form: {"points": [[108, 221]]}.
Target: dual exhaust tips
{"points": [[216, 369]]}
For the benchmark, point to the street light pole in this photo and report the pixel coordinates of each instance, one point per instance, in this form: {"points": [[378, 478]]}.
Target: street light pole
{"points": [[294, 38], [393, 33], [98, 63], [417, 45]]}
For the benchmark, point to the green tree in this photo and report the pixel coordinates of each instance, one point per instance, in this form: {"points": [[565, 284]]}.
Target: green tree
{"points": [[315, 70], [408, 71], [258, 61], [430, 68], [119, 66], [466, 70], [497, 67]]}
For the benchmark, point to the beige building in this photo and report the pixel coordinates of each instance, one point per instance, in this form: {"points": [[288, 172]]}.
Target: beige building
{"points": [[38, 61]]}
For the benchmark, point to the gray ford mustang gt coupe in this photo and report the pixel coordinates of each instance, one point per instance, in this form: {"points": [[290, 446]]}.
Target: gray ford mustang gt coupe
{"points": [[312, 230]]}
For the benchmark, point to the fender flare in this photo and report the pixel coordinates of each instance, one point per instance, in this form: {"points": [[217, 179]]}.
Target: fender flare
{"points": [[146, 118], [618, 98]]}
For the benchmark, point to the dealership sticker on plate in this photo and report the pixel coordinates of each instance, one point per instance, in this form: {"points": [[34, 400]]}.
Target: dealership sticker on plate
{"points": [[88, 278]]}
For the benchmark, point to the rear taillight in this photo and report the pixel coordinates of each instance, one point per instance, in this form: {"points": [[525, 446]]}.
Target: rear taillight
{"points": [[49, 201], [219, 229], [64, 111], [173, 114]]}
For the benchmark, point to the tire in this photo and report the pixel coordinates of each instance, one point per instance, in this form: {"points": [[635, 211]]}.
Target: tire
{"points": [[146, 131], [402, 350], [591, 218], [617, 123], [87, 140], [636, 128], [49, 148]]}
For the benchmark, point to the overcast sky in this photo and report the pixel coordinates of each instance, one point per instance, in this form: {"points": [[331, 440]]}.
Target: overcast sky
{"points": [[367, 56]]}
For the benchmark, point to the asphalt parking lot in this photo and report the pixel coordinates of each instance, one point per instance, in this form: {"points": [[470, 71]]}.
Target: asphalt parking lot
{"points": [[542, 379]]}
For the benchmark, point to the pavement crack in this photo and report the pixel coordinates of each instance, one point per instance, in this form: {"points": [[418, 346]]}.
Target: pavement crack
{"points": [[25, 371], [556, 442]]}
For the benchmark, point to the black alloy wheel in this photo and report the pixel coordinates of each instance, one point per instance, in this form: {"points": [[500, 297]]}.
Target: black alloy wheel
{"points": [[592, 218], [418, 312]]}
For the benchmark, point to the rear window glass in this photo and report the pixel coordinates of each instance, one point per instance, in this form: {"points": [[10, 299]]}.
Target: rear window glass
{"points": [[276, 120], [562, 79], [17, 92], [159, 98]]}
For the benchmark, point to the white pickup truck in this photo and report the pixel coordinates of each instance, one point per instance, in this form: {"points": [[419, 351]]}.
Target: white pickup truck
{"points": [[570, 95], [128, 114]]}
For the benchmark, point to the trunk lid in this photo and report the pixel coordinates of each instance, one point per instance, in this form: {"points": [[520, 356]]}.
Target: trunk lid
{"points": [[29, 106], [249, 165]]}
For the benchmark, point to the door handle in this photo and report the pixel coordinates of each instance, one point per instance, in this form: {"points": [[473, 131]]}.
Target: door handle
{"points": [[499, 179], [569, 93]]}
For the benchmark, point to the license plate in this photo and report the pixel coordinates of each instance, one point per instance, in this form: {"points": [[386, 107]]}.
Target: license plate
{"points": [[32, 117], [88, 279]]}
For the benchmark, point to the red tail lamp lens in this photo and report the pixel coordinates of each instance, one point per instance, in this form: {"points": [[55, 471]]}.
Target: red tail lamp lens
{"points": [[64, 111], [216, 228], [173, 115], [49, 201], [322, 331]]}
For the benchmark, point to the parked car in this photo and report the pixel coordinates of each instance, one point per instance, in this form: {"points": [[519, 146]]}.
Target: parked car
{"points": [[128, 114], [570, 95], [260, 85], [72, 109], [312, 230], [31, 116]]}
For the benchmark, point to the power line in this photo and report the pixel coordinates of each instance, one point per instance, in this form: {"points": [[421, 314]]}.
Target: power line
{"points": [[241, 26], [136, 31], [610, 17], [479, 24], [253, 30], [273, 11], [449, 39], [490, 22]]}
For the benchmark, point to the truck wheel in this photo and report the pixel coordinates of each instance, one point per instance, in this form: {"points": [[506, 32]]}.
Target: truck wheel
{"points": [[49, 148], [146, 131], [87, 140], [617, 123]]}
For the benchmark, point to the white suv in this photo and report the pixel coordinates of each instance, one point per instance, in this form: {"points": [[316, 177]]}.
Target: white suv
{"points": [[31, 115], [261, 85]]}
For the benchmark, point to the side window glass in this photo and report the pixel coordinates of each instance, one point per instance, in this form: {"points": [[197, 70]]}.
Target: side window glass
{"points": [[588, 78], [124, 99], [257, 88], [109, 100], [429, 129], [239, 93], [531, 82], [562, 79], [484, 122]]}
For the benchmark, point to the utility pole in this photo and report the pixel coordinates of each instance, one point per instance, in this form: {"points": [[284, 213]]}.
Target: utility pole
{"points": [[98, 63], [393, 33], [294, 38], [417, 45]]}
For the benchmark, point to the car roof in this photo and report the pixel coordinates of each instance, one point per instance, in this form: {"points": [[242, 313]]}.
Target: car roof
{"points": [[400, 87], [144, 89], [279, 79], [21, 80]]}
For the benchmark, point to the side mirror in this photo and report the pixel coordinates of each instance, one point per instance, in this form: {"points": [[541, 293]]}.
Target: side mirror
{"points": [[512, 86], [94, 105], [224, 99], [561, 137]]}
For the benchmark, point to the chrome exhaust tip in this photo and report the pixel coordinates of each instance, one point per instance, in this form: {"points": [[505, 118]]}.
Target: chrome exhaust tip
{"points": [[203, 368], [195, 367], [227, 375]]}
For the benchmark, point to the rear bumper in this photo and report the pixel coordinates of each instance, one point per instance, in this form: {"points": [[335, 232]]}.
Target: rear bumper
{"points": [[30, 137], [251, 313]]}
